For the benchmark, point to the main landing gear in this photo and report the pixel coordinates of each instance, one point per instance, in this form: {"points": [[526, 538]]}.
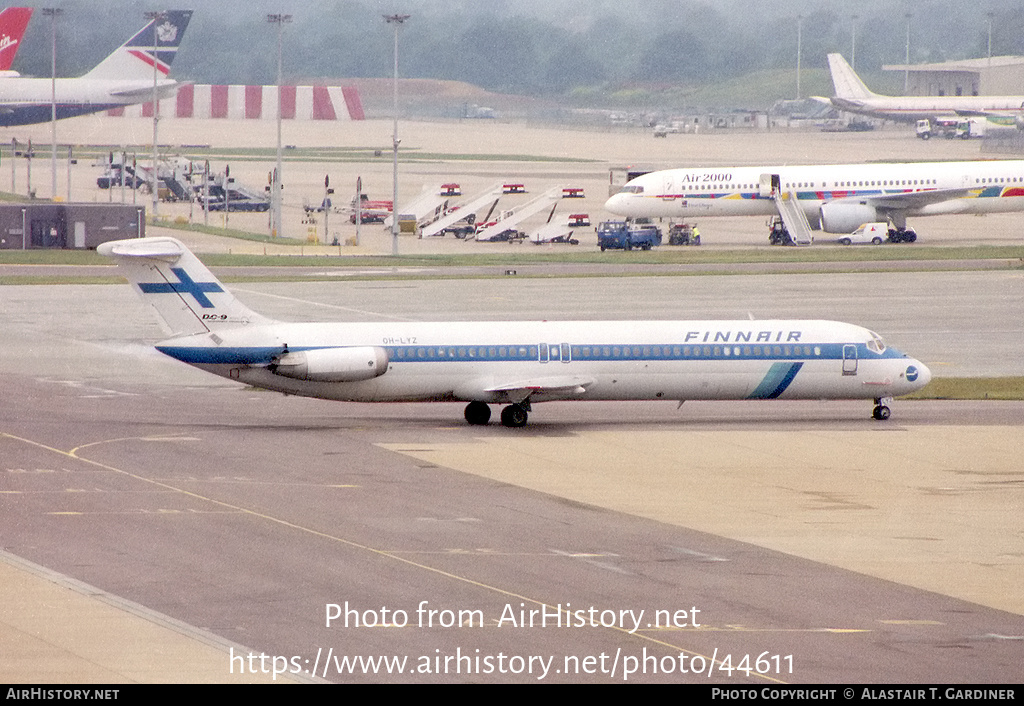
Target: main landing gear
{"points": [[514, 415], [881, 411], [902, 235]]}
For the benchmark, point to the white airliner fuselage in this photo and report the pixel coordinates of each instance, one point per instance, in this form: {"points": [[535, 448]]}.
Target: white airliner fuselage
{"points": [[26, 101], [513, 363], [835, 198], [852, 95]]}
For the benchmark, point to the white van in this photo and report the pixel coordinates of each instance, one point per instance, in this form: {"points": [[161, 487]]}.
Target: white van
{"points": [[874, 233]]}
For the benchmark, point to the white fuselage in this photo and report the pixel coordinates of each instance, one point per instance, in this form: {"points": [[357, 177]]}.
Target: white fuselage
{"points": [[499, 362], [26, 101], [898, 189], [913, 108]]}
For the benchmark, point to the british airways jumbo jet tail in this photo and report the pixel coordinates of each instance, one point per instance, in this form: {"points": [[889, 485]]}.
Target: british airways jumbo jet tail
{"points": [[13, 21], [125, 77], [508, 363], [837, 198]]}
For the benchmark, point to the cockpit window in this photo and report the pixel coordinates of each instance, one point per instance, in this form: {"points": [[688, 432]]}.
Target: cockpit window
{"points": [[876, 344], [633, 189]]}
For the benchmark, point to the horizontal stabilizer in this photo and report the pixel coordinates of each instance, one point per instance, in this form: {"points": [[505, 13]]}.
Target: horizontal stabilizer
{"points": [[167, 249]]}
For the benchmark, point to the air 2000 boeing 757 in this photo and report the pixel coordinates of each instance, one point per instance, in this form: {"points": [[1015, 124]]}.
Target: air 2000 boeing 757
{"points": [[509, 363], [837, 198]]}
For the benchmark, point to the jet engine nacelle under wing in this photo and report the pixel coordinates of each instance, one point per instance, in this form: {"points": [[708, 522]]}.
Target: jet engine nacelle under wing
{"points": [[837, 217], [333, 364]]}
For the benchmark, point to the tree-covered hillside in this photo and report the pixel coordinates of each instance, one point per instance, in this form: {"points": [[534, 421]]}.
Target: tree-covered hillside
{"points": [[542, 47]]}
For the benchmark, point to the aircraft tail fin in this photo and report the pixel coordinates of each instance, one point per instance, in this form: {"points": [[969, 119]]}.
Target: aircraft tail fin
{"points": [[185, 295], [846, 81], [155, 44], [13, 22]]}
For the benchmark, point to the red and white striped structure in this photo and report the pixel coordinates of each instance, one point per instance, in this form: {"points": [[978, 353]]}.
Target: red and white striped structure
{"points": [[254, 103]]}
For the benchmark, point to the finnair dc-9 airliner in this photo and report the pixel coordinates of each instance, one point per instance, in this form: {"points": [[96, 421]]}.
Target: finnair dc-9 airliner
{"points": [[508, 363]]}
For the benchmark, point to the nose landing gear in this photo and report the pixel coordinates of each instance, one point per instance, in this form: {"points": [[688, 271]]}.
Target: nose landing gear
{"points": [[881, 411]]}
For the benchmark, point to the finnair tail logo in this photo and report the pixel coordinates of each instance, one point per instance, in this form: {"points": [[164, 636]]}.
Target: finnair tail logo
{"points": [[184, 285]]}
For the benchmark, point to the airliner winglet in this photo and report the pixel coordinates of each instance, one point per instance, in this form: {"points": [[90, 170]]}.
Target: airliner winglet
{"points": [[508, 363]]}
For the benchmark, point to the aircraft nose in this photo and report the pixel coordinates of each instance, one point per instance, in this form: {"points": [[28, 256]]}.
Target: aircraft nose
{"points": [[918, 374], [614, 204]]}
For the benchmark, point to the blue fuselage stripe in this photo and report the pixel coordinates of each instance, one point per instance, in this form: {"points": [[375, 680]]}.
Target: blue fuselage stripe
{"points": [[779, 377]]}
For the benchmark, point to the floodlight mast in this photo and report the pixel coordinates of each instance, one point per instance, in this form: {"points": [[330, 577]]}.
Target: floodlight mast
{"points": [[276, 229], [397, 21]]}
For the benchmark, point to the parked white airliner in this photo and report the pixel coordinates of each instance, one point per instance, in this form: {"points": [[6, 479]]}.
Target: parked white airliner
{"points": [[855, 97], [124, 78], [511, 363], [836, 198]]}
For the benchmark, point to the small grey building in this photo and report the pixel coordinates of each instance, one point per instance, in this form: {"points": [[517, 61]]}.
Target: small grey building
{"points": [[73, 226]]}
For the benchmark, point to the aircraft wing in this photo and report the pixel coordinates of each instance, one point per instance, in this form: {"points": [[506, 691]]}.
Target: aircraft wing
{"points": [[558, 386], [975, 113], [147, 91], [915, 199]]}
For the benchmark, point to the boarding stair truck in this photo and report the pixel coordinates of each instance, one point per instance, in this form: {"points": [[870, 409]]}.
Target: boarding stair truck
{"points": [[222, 193], [505, 228], [178, 181], [794, 228], [449, 222], [426, 208], [116, 171]]}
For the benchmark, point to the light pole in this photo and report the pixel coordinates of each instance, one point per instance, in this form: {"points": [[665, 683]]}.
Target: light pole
{"points": [[155, 17], [275, 186], [853, 43], [906, 71], [53, 13], [990, 16], [799, 50], [397, 21]]}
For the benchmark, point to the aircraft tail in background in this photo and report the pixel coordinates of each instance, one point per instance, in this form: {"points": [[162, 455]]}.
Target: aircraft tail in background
{"points": [[845, 80], [156, 43], [13, 22]]}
